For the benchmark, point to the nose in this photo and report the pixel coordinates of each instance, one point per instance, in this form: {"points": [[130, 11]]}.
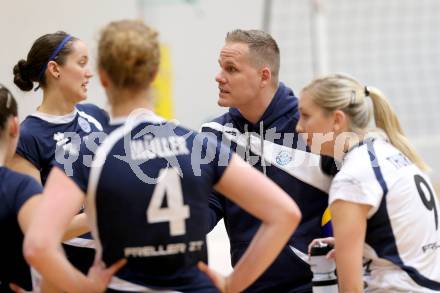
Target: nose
{"points": [[89, 73], [219, 77]]}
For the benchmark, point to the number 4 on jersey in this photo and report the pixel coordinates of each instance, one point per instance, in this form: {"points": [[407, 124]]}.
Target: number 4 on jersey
{"points": [[176, 213]]}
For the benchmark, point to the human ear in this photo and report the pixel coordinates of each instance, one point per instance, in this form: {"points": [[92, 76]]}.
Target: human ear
{"points": [[14, 127], [266, 75], [53, 69], [339, 120]]}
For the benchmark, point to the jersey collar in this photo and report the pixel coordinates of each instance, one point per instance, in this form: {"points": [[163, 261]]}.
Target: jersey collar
{"points": [[141, 115], [56, 119]]}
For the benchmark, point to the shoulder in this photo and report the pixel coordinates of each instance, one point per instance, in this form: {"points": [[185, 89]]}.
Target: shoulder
{"points": [[31, 124], [219, 124], [372, 159], [357, 181], [94, 115], [357, 161], [286, 113], [180, 130], [19, 178], [90, 108], [96, 112], [223, 119], [19, 186], [358, 166], [34, 134]]}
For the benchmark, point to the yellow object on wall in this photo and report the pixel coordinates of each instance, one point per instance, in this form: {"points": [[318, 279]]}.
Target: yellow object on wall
{"points": [[162, 86]]}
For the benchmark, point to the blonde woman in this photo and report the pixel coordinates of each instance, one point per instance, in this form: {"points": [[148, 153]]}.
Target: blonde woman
{"points": [[384, 208]]}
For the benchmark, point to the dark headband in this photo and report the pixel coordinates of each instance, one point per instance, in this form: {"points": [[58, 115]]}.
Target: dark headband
{"points": [[52, 57]]}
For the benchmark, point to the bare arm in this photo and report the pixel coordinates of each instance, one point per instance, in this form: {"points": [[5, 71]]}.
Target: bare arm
{"points": [[279, 214], [20, 164], [349, 226], [26, 212], [76, 227], [42, 249]]}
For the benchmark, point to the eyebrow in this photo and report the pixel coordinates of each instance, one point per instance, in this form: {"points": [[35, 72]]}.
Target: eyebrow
{"points": [[227, 62]]}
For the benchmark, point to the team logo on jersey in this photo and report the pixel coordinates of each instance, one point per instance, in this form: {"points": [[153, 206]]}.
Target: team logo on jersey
{"points": [[65, 144], [60, 139], [84, 124], [283, 158]]}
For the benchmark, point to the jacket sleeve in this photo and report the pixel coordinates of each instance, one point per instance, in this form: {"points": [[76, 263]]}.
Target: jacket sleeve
{"points": [[216, 209], [216, 200]]}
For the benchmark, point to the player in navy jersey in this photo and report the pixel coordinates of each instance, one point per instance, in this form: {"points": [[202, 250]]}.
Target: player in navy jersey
{"points": [[53, 135], [18, 201], [385, 211], [148, 190]]}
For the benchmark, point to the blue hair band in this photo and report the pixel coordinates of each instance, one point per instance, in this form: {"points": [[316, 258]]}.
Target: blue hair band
{"points": [[52, 57]]}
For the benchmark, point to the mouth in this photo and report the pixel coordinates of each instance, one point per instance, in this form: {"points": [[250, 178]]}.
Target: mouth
{"points": [[84, 85], [223, 91]]}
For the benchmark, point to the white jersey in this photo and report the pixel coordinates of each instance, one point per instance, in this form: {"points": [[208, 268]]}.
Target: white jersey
{"points": [[402, 244]]}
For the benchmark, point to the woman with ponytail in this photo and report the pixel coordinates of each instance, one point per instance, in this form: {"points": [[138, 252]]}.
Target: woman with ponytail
{"points": [[384, 209], [52, 136]]}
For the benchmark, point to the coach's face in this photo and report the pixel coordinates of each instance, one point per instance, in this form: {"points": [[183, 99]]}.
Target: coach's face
{"points": [[238, 80]]}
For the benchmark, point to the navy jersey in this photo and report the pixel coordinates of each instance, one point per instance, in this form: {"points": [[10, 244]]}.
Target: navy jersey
{"points": [[15, 190], [81, 167], [53, 140], [148, 202], [50, 140]]}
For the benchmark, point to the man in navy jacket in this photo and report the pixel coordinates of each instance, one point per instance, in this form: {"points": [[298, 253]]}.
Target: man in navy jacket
{"points": [[260, 126]]}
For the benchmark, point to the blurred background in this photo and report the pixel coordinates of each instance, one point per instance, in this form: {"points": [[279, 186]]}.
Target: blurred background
{"points": [[393, 45]]}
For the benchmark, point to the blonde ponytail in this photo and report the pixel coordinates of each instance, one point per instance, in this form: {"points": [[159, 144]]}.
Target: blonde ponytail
{"points": [[386, 119]]}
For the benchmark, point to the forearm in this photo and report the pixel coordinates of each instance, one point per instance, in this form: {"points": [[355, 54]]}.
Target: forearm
{"points": [[78, 226], [264, 248], [56, 269], [47, 287], [349, 225], [260, 197], [349, 274]]}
